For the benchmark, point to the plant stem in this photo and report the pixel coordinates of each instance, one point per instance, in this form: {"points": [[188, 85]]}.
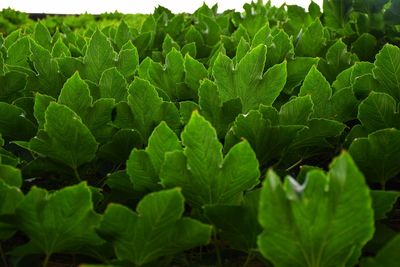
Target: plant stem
{"points": [[249, 258], [76, 173], [46, 260], [3, 257], [217, 249]]}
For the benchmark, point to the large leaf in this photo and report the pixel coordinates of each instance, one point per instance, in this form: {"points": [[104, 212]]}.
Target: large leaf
{"points": [[156, 229], [65, 138], [247, 79], [377, 155], [324, 222], [387, 70], [201, 171], [63, 221]]}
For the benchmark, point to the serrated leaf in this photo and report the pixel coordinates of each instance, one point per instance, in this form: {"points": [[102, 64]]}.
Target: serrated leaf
{"points": [[99, 56], [145, 235], [387, 70], [377, 155], [143, 95], [247, 79], [378, 111], [65, 137], [113, 85], [324, 222], [62, 221], [311, 41], [143, 166], [202, 172]]}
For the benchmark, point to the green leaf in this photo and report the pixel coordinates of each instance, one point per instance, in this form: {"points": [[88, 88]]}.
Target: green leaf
{"points": [[143, 95], [170, 77], [320, 91], [42, 36], [10, 175], [387, 70], [268, 139], [156, 229], [383, 202], [297, 70], [388, 256], [10, 197], [337, 60], [247, 79], [128, 60], [221, 115], [40, 106], [99, 56], [365, 46], [63, 221], [378, 111], [113, 85], [18, 53], [237, 224], [120, 146], [143, 166], [75, 94], [60, 49], [48, 79], [336, 13], [377, 155], [12, 85], [123, 34], [194, 72], [65, 138], [324, 222], [311, 41], [13, 123], [201, 171]]}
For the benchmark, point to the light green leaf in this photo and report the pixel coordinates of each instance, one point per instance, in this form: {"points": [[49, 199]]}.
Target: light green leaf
{"points": [[156, 229], [311, 41], [324, 222]]}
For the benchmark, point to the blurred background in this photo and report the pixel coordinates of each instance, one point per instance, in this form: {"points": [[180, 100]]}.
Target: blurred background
{"points": [[128, 6]]}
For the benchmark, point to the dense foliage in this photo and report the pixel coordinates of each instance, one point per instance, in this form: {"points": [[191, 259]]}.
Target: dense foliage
{"points": [[264, 138]]}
